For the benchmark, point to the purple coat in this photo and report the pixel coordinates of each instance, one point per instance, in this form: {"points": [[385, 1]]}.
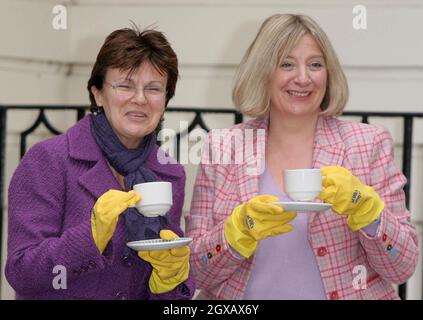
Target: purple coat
{"points": [[50, 243]]}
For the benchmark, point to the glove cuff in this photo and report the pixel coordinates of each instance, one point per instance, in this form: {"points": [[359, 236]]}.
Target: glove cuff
{"points": [[158, 285], [368, 212], [99, 243], [241, 241]]}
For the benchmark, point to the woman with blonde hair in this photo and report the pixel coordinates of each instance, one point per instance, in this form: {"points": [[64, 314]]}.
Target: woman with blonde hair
{"points": [[291, 83]]}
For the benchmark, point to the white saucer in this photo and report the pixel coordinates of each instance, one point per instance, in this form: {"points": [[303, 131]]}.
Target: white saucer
{"points": [[303, 206], [158, 244]]}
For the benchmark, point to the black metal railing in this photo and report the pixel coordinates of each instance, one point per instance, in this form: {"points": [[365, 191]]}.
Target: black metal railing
{"points": [[408, 118], [197, 122]]}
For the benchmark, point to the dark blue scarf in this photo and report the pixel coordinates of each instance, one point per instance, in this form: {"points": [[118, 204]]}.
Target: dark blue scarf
{"points": [[130, 163]]}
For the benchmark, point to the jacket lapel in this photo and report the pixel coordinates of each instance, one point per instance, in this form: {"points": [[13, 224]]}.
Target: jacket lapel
{"points": [[98, 179], [254, 159], [329, 149], [82, 147]]}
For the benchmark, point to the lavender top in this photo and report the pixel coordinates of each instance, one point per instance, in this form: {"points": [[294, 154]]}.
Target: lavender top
{"points": [[51, 195], [285, 266]]}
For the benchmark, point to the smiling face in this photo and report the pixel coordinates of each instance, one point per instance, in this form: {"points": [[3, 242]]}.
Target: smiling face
{"points": [[298, 85], [132, 118]]}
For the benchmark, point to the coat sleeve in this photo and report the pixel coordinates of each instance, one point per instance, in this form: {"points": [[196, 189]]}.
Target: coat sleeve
{"points": [[393, 251], [212, 259], [37, 246]]}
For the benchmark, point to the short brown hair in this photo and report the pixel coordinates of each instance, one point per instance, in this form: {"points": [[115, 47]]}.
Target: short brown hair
{"points": [[277, 36], [127, 49]]}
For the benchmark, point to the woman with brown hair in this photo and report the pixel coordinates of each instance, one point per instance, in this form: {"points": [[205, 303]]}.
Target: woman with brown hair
{"points": [[70, 203]]}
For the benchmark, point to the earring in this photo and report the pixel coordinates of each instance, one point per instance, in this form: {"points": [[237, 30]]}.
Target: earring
{"points": [[96, 110]]}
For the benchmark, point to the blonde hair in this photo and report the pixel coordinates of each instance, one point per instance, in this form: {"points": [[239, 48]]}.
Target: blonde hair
{"points": [[276, 38]]}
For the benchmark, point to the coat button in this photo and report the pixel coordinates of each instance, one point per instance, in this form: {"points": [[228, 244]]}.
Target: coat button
{"points": [[218, 248], [91, 264], [121, 295], [126, 261], [334, 295], [322, 251], [384, 237]]}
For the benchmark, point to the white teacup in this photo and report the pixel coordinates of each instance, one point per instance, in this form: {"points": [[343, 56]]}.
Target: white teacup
{"points": [[156, 198], [302, 184]]}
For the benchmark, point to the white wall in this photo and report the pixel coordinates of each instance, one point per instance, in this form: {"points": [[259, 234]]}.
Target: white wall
{"points": [[40, 65]]}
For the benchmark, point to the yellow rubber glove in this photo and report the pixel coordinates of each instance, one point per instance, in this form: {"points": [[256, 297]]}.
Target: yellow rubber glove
{"points": [[105, 214], [170, 267], [349, 196], [256, 220]]}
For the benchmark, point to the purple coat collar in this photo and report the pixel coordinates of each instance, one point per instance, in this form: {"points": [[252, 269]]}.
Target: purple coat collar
{"points": [[83, 147]]}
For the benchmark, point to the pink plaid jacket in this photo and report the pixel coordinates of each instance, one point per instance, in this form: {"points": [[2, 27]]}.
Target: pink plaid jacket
{"points": [[366, 150]]}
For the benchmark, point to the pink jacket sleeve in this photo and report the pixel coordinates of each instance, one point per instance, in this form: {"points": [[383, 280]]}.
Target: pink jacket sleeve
{"points": [[393, 251]]}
